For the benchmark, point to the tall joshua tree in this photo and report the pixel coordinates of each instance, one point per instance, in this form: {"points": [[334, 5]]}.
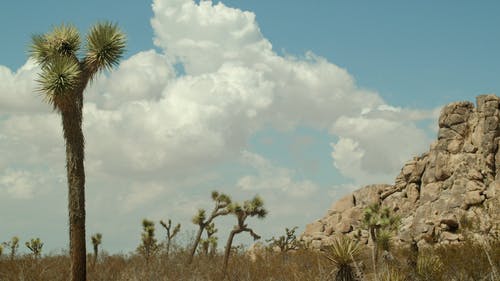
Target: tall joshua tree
{"points": [[252, 208], [170, 232], [222, 201], [65, 73]]}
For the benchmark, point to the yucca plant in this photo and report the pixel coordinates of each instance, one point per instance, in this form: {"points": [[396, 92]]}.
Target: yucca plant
{"points": [[392, 274], [221, 201], [249, 208], [343, 252], [35, 245], [65, 73], [429, 267]]}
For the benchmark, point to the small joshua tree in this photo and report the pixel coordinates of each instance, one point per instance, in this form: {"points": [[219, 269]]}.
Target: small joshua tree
{"points": [[35, 245], [96, 241], [222, 201], [13, 245], [342, 253], [285, 242], [380, 223], [149, 245], [252, 208], [170, 232], [210, 243]]}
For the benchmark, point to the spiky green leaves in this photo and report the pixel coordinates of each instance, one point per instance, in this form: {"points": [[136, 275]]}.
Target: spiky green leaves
{"points": [[59, 77], [63, 40], [255, 207], [62, 69], [377, 217], [199, 219], [429, 267], [56, 52], [221, 199], [250, 208], [105, 47], [343, 250]]}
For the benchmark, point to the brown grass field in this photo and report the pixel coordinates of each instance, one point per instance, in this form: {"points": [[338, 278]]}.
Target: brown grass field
{"points": [[467, 262]]}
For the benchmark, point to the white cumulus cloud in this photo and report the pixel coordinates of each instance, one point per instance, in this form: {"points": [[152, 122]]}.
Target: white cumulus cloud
{"points": [[154, 135]]}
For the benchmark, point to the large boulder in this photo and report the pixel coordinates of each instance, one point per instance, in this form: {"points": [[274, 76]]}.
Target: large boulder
{"points": [[438, 193]]}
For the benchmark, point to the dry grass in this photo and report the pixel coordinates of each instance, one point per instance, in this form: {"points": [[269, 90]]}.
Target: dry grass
{"points": [[460, 263]]}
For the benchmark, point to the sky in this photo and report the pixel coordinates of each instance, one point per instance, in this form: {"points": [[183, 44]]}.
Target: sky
{"points": [[299, 103]]}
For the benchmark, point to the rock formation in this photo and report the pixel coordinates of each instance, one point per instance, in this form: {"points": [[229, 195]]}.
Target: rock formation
{"points": [[439, 194]]}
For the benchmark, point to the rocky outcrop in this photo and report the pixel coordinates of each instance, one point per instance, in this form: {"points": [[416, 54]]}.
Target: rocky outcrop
{"points": [[453, 187]]}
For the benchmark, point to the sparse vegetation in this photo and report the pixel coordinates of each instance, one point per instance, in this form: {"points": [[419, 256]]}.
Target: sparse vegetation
{"points": [[457, 262]]}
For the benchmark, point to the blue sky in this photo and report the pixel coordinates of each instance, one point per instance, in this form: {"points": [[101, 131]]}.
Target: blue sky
{"points": [[347, 93], [423, 53]]}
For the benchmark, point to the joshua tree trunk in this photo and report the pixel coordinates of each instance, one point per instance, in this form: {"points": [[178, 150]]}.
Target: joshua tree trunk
{"points": [[374, 252], [195, 245], [73, 135], [169, 240], [96, 252], [228, 250]]}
